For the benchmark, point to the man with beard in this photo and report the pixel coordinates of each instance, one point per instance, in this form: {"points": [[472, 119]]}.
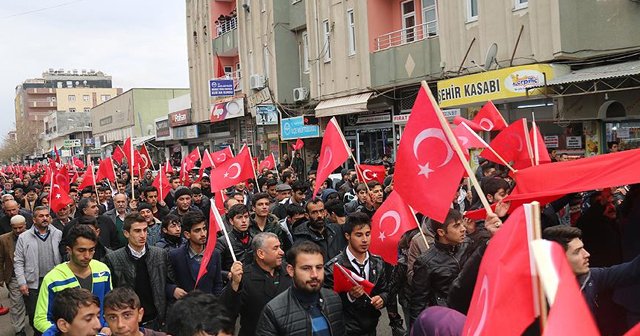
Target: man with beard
{"points": [[320, 231], [80, 271], [170, 237], [186, 260], [306, 308], [240, 238], [253, 285]]}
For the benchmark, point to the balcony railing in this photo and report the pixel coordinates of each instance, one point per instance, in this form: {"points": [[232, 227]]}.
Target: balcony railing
{"points": [[407, 35], [227, 26]]}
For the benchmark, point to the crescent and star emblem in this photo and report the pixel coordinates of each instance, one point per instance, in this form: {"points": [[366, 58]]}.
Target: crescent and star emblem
{"points": [[484, 297], [328, 156], [426, 134], [396, 218], [222, 157], [238, 170], [463, 140], [485, 121], [519, 140], [369, 177]]}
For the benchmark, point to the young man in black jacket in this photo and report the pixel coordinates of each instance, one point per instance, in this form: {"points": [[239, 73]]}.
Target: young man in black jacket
{"points": [[240, 238], [361, 313]]}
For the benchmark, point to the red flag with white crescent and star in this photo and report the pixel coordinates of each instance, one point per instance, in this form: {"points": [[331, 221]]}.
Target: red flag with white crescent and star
{"points": [[207, 161], [168, 168], [268, 163], [118, 154], [221, 156], [431, 170], [88, 178], [487, 119], [467, 138], [344, 280], [232, 171], [389, 223], [212, 237], [368, 173], [333, 153], [162, 184], [510, 143], [59, 198], [146, 158], [505, 282]]}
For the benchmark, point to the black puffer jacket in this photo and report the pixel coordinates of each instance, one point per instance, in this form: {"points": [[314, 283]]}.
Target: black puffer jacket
{"points": [[433, 274], [285, 316], [242, 251], [360, 317], [332, 242]]}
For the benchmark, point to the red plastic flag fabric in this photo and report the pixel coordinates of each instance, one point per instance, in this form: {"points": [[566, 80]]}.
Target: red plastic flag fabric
{"points": [[118, 154], [194, 156], [504, 286], [344, 278], [128, 151], [61, 178], [218, 199], [298, 145], [88, 178], [78, 163], [212, 237], [333, 153], [168, 168], [538, 151], [233, 171], [207, 161], [221, 156], [511, 143], [487, 119], [105, 170], [55, 150], [146, 158], [389, 223], [162, 184], [368, 173], [268, 163], [59, 198], [467, 138], [219, 67], [431, 170]]}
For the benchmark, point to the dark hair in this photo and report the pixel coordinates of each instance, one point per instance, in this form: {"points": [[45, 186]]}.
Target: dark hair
{"points": [[237, 209], [611, 143], [303, 246], [286, 175], [121, 298], [312, 172], [174, 177], [84, 203], [562, 234], [452, 216], [259, 196], [168, 219], [294, 209], [196, 313], [196, 190], [335, 206], [271, 183], [149, 189], [487, 166], [87, 190], [190, 219], [131, 218], [68, 301], [299, 185], [373, 184], [88, 220], [355, 220], [491, 185], [361, 187], [314, 200], [80, 231]]}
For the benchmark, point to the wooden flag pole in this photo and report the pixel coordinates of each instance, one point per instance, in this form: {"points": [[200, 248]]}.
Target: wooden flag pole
{"points": [[340, 267], [504, 162], [536, 156], [424, 237], [346, 146], [456, 146], [537, 234], [220, 223], [528, 142]]}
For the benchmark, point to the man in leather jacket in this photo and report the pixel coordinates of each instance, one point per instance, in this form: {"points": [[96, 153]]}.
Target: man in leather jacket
{"points": [[240, 238], [361, 312], [435, 270], [306, 308]]}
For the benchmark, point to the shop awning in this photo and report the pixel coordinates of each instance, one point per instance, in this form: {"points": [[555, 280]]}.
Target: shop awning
{"points": [[106, 144], [343, 105], [596, 73], [139, 141]]}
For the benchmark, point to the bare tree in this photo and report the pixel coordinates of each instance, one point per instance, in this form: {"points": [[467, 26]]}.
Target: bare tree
{"points": [[26, 142]]}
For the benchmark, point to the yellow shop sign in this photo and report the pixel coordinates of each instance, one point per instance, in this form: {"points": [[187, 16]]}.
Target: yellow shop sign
{"points": [[497, 84]]}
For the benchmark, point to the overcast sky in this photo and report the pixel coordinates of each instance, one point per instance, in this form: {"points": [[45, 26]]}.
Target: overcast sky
{"points": [[140, 43]]}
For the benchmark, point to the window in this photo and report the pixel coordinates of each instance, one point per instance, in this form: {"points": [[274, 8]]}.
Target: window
{"points": [[472, 10], [519, 4], [104, 98], [305, 52], [69, 84], [87, 109], [71, 98], [228, 70], [238, 72], [85, 98], [408, 21], [326, 29], [430, 17], [72, 110], [351, 29]]}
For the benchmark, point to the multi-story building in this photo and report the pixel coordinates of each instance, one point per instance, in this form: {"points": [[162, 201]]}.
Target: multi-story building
{"points": [[69, 132]]}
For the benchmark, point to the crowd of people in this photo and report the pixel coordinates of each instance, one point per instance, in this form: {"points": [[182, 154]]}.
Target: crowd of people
{"points": [[110, 264]]}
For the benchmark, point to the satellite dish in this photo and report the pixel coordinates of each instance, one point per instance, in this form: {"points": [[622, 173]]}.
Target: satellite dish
{"points": [[490, 59]]}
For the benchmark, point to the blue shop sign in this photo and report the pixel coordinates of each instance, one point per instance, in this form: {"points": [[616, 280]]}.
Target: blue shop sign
{"points": [[293, 128], [221, 87]]}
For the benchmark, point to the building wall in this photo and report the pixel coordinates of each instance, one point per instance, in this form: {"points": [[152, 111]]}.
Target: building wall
{"points": [[94, 97], [200, 56]]}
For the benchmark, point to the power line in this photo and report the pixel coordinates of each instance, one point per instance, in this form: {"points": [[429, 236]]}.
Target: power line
{"points": [[40, 9]]}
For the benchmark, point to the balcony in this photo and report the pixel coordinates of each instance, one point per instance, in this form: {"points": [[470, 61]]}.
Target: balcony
{"points": [[226, 42], [227, 26], [41, 103], [43, 91], [405, 56]]}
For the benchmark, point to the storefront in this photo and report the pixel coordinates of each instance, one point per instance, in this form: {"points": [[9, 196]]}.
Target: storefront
{"points": [[370, 135], [301, 127]]}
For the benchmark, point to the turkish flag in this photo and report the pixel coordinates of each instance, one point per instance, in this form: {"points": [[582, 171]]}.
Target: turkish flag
{"points": [[269, 163], [61, 177], [138, 162], [430, 171], [162, 184], [389, 223], [635, 331], [467, 138], [232, 171], [88, 178], [298, 145], [218, 199], [184, 172], [344, 280], [367, 173], [168, 168], [59, 198], [526, 158], [146, 158], [487, 119], [127, 149], [333, 153], [511, 143], [215, 221], [105, 170], [78, 163], [55, 150], [118, 154], [221, 156], [219, 68], [504, 296], [207, 161], [194, 157], [569, 313]]}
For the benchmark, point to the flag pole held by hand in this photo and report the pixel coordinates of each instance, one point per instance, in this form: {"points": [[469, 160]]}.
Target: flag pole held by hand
{"points": [[216, 214], [353, 281]]}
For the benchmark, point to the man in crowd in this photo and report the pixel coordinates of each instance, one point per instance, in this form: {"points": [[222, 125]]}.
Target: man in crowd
{"points": [[199, 313], [123, 313], [108, 231], [295, 216], [76, 312], [62, 218], [288, 177], [200, 200], [253, 285], [11, 208], [186, 259], [143, 268], [359, 200], [271, 189], [159, 209], [101, 251], [319, 231], [170, 237], [283, 192], [306, 308], [374, 200], [297, 197], [117, 214], [240, 238], [8, 276], [361, 312], [263, 221], [183, 197], [154, 225], [80, 271], [435, 270], [36, 254], [335, 211], [105, 201]]}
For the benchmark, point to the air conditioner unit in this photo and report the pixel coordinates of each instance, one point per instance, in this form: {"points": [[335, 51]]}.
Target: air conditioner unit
{"points": [[300, 94], [256, 82]]}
